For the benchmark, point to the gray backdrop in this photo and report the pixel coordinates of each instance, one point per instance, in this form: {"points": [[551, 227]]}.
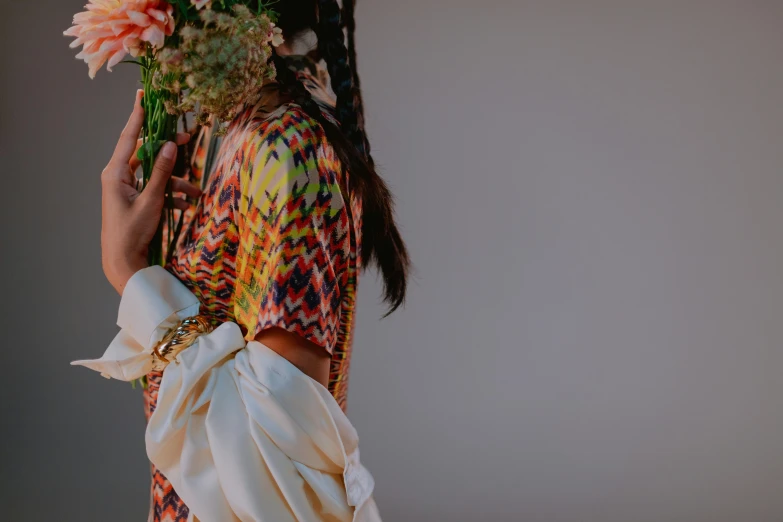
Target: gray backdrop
{"points": [[592, 193]]}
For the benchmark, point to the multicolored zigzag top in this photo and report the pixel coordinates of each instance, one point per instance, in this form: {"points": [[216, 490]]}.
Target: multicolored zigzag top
{"points": [[271, 242]]}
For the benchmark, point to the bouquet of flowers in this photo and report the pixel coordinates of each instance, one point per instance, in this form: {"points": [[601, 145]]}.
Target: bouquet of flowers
{"points": [[204, 56]]}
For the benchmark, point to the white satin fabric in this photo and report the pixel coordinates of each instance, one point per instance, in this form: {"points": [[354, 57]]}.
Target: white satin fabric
{"points": [[240, 432]]}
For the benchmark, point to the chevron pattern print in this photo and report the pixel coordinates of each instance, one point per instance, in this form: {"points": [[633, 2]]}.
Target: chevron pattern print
{"points": [[270, 242], [166, 506], [294, 246]]}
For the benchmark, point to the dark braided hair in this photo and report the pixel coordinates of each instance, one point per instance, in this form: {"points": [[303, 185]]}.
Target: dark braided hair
{"points": [[350, 25], [382, 243]]}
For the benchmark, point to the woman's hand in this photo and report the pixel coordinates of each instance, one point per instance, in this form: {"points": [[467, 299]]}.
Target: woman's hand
{"points": [[130, 218]]}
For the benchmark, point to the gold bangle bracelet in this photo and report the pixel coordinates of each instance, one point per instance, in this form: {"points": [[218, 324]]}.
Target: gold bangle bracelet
{"points": [[179, 337]]}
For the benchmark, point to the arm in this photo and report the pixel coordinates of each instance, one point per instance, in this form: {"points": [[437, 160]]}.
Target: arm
{"points": [[153, 301], [310, 358], [129, 221], [129, 218], [292, 254], [238, 430]]}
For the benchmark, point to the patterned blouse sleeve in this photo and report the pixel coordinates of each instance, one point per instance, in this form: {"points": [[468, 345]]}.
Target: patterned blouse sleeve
{"points": [[292, 226]]}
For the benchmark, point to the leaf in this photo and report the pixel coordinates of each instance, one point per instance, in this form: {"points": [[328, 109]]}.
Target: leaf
{"points": [[184, 8], [133, 61], [149, 149]]}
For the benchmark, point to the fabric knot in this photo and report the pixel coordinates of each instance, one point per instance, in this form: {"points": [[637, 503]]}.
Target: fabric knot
{"points": [[359, 483]]}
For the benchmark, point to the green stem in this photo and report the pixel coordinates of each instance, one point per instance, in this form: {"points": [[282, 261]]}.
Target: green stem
{"points": [[159, 126]]}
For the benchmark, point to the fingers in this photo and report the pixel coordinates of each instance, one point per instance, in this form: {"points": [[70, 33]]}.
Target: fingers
{"points": [[127, 142], [134, 162], [180, 185], [161, 172], [181, 204]]}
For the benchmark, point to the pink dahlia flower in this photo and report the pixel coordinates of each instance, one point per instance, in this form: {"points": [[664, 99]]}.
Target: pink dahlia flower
{"points": [[110, 29]]}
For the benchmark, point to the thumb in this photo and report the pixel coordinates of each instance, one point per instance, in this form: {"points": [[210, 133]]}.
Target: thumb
{"points": [[161, 172]]}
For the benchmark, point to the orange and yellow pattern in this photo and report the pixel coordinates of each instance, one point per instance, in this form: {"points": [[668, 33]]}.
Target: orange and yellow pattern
{"points": [[273, 241]]}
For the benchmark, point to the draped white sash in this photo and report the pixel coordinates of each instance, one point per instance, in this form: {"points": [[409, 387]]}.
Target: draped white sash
{"points": [[240, 432]]}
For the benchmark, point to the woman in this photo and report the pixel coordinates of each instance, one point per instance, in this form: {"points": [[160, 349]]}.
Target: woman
{"points": [[291, 211]]}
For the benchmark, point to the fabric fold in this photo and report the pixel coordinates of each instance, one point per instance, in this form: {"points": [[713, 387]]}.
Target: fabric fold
{"points": [[239, 431]]}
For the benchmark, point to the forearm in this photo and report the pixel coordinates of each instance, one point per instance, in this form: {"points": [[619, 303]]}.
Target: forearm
{"points": [[153, 301], [268, 423], [120, 271]]}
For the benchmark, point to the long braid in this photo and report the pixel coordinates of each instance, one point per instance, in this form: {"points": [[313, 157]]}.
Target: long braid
{"points": [[332, 48], [349, 21], [381, 240]]}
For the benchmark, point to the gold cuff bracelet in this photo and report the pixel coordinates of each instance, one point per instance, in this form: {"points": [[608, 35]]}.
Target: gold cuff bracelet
{"points": [[179, 337]]}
